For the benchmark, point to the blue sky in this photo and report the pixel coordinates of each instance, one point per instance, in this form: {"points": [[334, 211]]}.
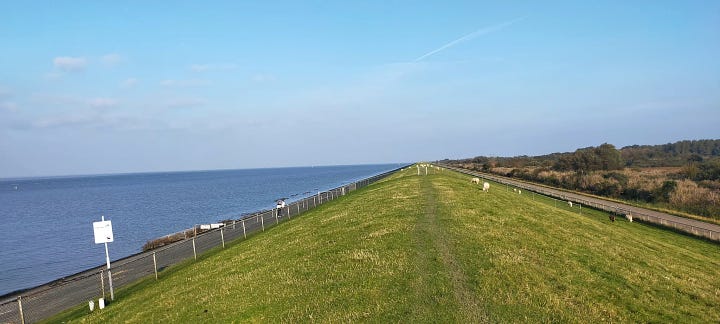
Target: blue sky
{"points": [[131, 86]]}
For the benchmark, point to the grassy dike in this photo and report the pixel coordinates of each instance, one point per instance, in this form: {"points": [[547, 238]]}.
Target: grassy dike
{"points": [[436, 249]]}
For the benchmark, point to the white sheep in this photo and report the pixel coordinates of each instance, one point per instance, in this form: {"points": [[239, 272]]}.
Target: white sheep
{"points": [[486, 187], [514, 190], [629, 217], [519, 192], [475, 180], [570, 203]]}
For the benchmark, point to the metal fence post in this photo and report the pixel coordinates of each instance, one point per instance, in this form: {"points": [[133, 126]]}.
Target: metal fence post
{"points": [[22, 316], [102, 283], [222, 237], [194, 251], [155, 265], [243, 223]]}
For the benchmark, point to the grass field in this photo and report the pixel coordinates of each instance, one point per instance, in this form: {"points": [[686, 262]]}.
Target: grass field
{"points": [[436, 249]]}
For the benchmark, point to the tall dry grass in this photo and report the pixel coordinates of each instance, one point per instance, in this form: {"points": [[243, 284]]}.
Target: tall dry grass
{"points": [[688, 195]]}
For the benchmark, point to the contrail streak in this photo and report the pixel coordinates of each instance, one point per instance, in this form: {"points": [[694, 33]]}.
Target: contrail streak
{"points": [[479, 32]]}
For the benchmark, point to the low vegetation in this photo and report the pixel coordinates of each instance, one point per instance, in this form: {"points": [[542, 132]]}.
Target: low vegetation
{"points": [[682, 176], [167, 239], [179, 236], [436, 249]]}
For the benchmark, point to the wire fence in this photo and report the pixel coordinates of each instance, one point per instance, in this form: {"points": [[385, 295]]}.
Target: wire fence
{"points": [[44, 301], [690, 226]]}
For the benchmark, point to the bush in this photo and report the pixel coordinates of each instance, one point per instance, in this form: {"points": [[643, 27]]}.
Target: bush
{"points": [[169, 239], [666, 190]]}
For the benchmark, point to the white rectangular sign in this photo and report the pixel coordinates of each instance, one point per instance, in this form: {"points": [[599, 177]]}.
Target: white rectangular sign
{"points": [[103, 232]]}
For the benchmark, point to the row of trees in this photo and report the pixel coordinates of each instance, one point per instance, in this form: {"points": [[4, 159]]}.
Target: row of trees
{"points": [[607, 157], [603, 157], [671, 154]]}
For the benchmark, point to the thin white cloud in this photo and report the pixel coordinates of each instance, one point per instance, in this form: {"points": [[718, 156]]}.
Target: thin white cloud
{"points": [[477, 33], [213, 67], [185, 103], [52, 76], [102, 102], [263, 77], [65, 121], [184, 83], [70, 64], [5, 92], [129, 82], [73, 101], [199, 67], [51, 99], [8, 106], [111, 59]]}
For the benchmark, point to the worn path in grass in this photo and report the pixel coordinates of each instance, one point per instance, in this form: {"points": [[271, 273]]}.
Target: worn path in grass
{"points": [[437, 249], [435, 233]]}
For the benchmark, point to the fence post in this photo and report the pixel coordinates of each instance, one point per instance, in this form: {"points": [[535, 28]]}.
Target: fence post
{"points": [[102, 283], [243, 223], [222, 237], [22, 316], [155, 265], [277, 211], [262, 222], [194, 251]]}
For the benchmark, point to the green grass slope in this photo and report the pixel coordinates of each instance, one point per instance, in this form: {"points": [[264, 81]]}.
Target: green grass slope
{"points": [[437, 249]]}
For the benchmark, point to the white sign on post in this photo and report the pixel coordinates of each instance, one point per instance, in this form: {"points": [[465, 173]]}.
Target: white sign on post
{"points": [[103, 232]]}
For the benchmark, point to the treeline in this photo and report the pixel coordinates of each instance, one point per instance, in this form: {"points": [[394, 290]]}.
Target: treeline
{"points": [[671, 154], [702, 155]]}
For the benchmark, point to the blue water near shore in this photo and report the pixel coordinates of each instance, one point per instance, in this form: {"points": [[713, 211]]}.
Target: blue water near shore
{"points": [[47, 222]]}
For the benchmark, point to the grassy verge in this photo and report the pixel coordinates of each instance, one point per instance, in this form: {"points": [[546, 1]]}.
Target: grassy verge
{"points": [[660, 207], [435, 248]]}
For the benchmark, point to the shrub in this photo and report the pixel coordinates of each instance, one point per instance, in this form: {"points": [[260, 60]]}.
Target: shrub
{"points": [[666, 190]]}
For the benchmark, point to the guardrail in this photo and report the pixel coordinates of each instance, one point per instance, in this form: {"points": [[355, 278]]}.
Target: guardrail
{"points": [[47, 300], [690, 226]]}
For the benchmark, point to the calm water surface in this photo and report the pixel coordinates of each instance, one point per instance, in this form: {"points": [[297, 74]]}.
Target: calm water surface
{"points": [[47, 222]]}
